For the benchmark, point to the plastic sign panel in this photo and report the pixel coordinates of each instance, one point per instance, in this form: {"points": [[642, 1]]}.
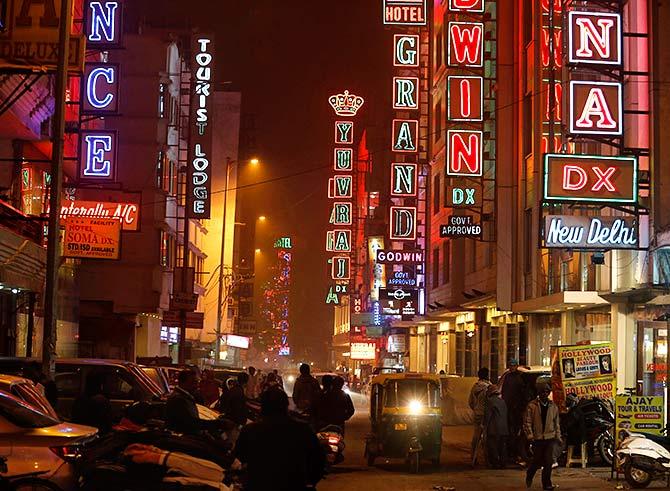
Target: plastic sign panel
{"points": [[199, 180], [344, 132], [405, 93], [590, 178], [466, 98], [594, 38], [343, 159], [465, 153], [346, 104], [405, 12], [596, 108], [92, 238], [406, 50], [400, 257], [97, 155], [402, 225], [405, 135], [585, 232], [363, 351], [104, 24], [464, 194], [403, 179], [475, 6], [399, 301], [461, 227], [341, 268], [127, 213], [466, 44], [638, 414], [100, 89]]}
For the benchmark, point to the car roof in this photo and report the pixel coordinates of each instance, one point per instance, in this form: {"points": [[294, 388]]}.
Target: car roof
{"points": [[79, 361], [12, 379], [383, 378]]}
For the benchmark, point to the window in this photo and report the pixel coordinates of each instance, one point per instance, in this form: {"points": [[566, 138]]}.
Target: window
{"points": [[68, 383], [22, 415], [436, 268], [438, 121], [446, 262], [116, 383], [167, 250], [436, 194]]}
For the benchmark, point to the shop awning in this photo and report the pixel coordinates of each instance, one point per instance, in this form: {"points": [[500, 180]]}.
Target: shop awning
{"points": [[558, 302], [22, 262]]}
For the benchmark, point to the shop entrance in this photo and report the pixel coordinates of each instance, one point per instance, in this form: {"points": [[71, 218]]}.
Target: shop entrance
{"points": [[652, 359]]}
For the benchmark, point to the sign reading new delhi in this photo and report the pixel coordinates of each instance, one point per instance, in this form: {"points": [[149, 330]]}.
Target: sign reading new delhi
{"points": [[584, 232]]}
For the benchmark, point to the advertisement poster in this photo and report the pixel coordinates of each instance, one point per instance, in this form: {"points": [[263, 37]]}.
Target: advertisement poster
{"points": [[584, 370], [639, 414], [92, 238]]}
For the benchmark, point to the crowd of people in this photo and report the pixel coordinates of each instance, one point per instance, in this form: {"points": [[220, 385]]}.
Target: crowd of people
{"points": [[510, 426]]}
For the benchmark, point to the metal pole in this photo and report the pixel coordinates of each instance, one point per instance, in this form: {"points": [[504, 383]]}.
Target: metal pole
{"points": [[219, 311], [53, 237], [184, 276]]}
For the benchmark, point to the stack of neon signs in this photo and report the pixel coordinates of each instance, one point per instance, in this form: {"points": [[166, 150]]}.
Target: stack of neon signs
{"points": [[340, 193]]}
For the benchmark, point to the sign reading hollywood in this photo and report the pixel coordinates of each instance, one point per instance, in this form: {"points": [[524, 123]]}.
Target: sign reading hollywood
{"points": [[584, 232], [400, 257], [590, 178], [594, 38], [405, 12], [92, 238], [596, 108], [460, 227], [199, 181], [100, 89], [97, 155]]}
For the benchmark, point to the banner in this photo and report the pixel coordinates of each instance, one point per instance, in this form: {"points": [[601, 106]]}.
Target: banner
{"points": [[639, 414], [92, 238], [583, 370]]}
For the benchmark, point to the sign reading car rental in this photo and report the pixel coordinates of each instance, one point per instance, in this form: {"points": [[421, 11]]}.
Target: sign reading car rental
{"points": [[405, 12], [92, 238], [590, 178], [30, 38]]}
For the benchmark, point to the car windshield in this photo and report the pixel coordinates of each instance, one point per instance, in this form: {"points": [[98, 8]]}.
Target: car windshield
{"points": [[400, 393], [152, 373], [22, 415], [146, 380]]}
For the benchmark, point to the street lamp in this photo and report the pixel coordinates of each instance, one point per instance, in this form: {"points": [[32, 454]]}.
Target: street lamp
{"points": [[254, 161], [257, 251], [262, 218]]}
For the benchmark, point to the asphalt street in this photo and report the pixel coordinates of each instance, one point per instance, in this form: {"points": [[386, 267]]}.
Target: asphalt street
{"points": [[454, 472]]}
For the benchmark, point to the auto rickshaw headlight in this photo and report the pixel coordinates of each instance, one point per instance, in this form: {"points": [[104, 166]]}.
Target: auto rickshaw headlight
{"points": [[415, 407]]}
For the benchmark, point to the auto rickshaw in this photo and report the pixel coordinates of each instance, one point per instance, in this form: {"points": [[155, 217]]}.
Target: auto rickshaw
{"points": [[406, 418]]}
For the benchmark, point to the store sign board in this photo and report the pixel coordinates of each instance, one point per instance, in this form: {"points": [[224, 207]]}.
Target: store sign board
{"points": [[639, 414], [92, 238], [405, 135], [396, 343], [97, 155], [405, 12], [584, 232], [104, 24], [406, 50], [199, 180], [363, 351], [465, 153], [236, 341], [344, 132], [401, 279], [460, 226], [400, 257], [596, 108], [128, 213], [399, 301], [594, 38], [590, 178], [465, 98], [402, 224], [465, 194], [403, 179], [100, 89]]}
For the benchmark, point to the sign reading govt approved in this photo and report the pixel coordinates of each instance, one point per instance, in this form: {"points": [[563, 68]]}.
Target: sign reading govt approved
{"points": [[92, 238]]}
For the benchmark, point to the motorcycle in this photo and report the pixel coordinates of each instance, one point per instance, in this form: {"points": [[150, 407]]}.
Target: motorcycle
{"points": [[332, 443], [590, 420], [644, 459]]}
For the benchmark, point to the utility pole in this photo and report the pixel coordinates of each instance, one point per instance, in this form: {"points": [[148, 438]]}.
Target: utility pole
{"points": [[53, 238], [222, 260]]}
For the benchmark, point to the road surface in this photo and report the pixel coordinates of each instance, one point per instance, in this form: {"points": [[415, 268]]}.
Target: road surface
{"points": [[353, 474]]}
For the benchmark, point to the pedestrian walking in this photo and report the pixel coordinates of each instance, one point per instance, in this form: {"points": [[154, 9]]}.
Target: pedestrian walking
{"points": [[513, 390], [252, 388], [477, 401], [543, 430], [306, 391], [496, 428]]}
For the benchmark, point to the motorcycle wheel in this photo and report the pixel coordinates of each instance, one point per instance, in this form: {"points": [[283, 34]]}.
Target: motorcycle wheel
{"points": [[32, 484], [605, 445], [637, 478]]}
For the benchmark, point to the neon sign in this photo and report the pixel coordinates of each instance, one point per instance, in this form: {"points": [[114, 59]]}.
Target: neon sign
{"points": [[104, 23], [405, 12], [346, 104], [100, 89], [341, 214], [596, 108], [594, 38], [464, 153], [341, 268], [476, 6], [344, 132], [403, 179], [405, 135], [461, 226], [338, 241], [402, 224], [584, 232], [590, 178], [128, 213], [465, 195], [97, 155], [340, 187], [466, 98], [466, 44], [405, 93], [400, 257], [199, 169], [343, 160], [406, 50]]}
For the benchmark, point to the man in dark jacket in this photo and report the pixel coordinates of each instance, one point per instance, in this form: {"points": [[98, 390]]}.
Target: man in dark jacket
{"points": [[496, 428], [181, 411], [233, 402], [281, 454], [335, 406], [306, 390], [514, 394]]}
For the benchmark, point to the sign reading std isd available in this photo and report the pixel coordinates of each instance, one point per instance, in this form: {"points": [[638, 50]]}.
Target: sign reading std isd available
{"points": [[92, 238]]}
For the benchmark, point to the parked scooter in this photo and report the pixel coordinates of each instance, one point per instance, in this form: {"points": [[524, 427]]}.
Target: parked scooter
{"points": [[332, 443], [643, 459], [590, 420]]}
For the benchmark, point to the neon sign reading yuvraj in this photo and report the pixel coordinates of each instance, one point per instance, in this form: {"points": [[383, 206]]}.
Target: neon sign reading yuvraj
{"points": [[346, 104], [344, 132]]}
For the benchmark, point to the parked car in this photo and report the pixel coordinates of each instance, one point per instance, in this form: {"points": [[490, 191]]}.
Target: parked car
{"points": [[32, 441], [26, 390], [159, 376]]}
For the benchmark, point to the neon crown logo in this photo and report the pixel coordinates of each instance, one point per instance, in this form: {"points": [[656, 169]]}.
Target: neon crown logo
{"points": [[346, 104]]}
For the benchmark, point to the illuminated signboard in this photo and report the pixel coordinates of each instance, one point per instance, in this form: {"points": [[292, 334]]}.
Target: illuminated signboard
{"points": [[405, 12], [341, 268], [590, 178], [401, 278], [399, 301], [402, 225], [338, 241], [343, 159], [400, 257], [461, 227], [283, 243], [104, 28], [405, 93], [405, 135], [199, 181], [100, 89], [596, 108], [335, 294], [92, 238], [97, 155], [363, 351], [344, 132], [464, 194], [235, 341], [465, 153], [128, 213], [341, 214], [594, 38], [340, 187], [403, 179], [406, 50], [466, 98], [585, 232], [466, 44], [346, 104], [476, 6]]}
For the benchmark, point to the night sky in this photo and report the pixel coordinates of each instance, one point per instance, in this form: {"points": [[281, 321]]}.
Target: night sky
{"points": [[287, 58]]}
